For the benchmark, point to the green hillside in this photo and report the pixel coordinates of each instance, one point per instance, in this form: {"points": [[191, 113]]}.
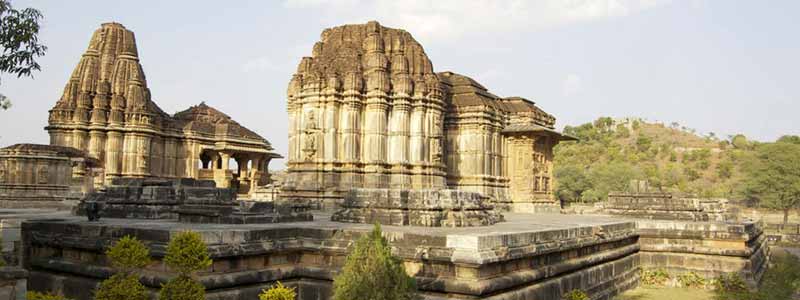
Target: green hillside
{"points": [[672, 158]]}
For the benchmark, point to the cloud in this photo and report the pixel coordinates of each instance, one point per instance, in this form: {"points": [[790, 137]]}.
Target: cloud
{"points": [[429, 19], [572, 85]]}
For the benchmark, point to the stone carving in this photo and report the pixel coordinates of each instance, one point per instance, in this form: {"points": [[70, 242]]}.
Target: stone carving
{"points": [[2, 173], [396, 111], [109, 85], [42, 175]]}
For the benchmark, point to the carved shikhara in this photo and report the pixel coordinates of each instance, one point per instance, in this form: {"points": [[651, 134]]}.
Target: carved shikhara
{"points": [[367, 110], [107, 111]]}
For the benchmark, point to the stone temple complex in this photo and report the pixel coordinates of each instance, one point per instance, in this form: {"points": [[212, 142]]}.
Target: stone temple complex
{"points": [[106, 110], [460, 178], [367, 110]]}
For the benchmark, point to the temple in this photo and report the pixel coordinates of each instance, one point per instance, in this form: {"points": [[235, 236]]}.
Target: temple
{"points": [[367, 110], [106, 110]]}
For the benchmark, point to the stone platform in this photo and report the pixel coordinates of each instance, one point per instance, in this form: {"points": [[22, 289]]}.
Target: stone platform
{"points": [[431, 208], [708, 249], [527, 257]]}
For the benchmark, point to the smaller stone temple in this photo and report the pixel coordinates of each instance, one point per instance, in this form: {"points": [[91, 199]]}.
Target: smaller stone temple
{"points": [[44, 176], [106, 110]]}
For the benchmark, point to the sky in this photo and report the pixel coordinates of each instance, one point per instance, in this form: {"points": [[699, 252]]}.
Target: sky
{"points": [[724, 66]]}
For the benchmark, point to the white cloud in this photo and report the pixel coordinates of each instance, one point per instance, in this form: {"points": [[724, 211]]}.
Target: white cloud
{"points": [[453, 18], [572, 85]]}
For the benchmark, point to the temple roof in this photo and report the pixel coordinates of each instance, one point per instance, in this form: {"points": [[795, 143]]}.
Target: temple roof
{"points": [[208, 120]]}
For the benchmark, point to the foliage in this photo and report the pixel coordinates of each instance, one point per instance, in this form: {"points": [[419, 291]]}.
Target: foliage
{"points": [[278, 292], [186, 253], [128, 253], [575, 295], [121, 286], [774, 176], [182, 287], [372, 272], [672, 159], [32, 295], [780, 281], [658, 277], [19, 41], [691, 280]]}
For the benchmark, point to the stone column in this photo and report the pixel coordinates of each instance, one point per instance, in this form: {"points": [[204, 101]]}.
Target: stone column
{"points": [[114, 155]]}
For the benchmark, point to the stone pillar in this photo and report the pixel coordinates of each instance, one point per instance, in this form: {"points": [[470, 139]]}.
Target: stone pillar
{"points": [[114, 155]]}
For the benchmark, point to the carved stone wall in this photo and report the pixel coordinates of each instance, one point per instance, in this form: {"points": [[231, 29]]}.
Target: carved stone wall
{"points": [[366, 110], [34, 176], [107, 111]]}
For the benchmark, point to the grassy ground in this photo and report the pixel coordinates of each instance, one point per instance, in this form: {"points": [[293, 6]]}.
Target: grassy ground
{"points": [[644, 293]]}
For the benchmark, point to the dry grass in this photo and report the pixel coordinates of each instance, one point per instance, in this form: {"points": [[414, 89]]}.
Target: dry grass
{"points": [[644, 293]]}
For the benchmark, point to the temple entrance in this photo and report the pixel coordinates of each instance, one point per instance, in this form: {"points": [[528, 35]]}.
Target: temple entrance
{"points": [[242, 171]]}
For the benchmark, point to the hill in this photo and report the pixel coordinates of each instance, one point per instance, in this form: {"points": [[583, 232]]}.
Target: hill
{"points": [[610, 153]]}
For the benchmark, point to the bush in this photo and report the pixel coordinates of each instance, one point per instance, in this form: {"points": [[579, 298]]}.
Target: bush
{"points": [[127, 254], [278, 292], [43, 296], [575, 295], [371, 272], [691, 280], [121, 286], [186, 253], [182, 288], [657, 277]]}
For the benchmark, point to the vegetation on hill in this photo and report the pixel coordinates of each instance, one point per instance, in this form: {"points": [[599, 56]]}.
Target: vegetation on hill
{"points": [[673, 159]]}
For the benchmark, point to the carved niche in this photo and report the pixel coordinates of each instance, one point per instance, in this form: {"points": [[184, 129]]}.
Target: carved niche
{"points": [[310, 139], [43, 175], [2, 173]]}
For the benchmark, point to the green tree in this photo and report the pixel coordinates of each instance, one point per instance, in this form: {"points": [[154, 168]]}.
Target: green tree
{"points": [[19, 39], [774, 177], [792, 139], [126, 255], [643, 143], [739, 141], [371, 272], [278, 292], [186, 254], [571, 183]]}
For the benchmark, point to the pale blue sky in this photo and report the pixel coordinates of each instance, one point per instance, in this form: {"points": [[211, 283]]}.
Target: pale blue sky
{"points": [[717, 66]]}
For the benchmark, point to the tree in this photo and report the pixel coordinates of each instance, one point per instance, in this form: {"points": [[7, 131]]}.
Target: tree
{"points": [[571, 182], [126, 255], [278, 292], [19, 39], [371, 272], [793, 139], [739, 141], [774, 177], [186, 254]]}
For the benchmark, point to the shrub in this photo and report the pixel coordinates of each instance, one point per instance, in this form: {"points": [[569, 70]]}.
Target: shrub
{"points": [[575, 295], [43, 296], [691, 280], [186, 253], [121, 286], [182, 288], [657, 277], [127, 254], [371, 272], [278, 292]]}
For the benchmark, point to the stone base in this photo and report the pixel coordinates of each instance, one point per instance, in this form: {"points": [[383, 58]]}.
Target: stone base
{"points": [[530, 207], [13, 283], [526, 257], [663, 206], [434, 208], [707, 249]]}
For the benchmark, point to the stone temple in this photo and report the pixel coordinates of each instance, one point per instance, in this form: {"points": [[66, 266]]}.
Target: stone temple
{"points": [[375, 135], [106, 110], [367, 110]]}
